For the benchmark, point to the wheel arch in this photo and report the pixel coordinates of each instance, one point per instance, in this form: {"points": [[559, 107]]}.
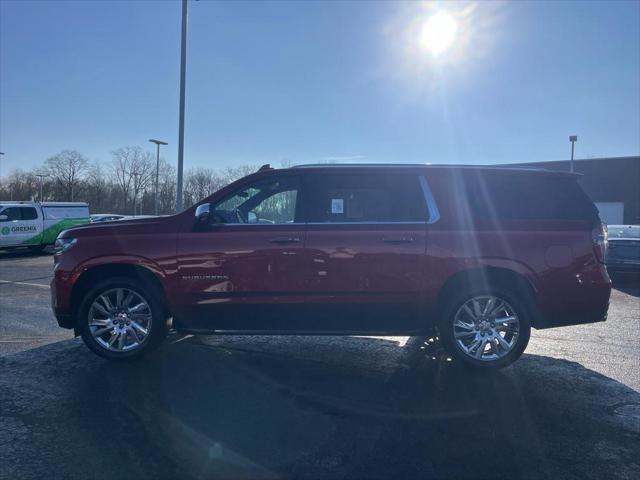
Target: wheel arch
{"points": [[490, 276], [96, 273]]}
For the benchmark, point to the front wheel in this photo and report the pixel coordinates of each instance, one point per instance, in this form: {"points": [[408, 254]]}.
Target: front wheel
{"points": [[120, 320], [488, 329]]}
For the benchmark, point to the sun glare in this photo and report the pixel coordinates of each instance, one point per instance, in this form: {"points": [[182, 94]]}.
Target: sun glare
{"points": [[438, 33]]}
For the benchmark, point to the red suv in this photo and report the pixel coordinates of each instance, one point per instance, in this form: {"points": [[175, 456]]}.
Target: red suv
{"points": [[477, 254]]}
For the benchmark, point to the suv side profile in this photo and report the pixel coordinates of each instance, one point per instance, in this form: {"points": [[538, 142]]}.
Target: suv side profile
{"points": [[479, 255]]}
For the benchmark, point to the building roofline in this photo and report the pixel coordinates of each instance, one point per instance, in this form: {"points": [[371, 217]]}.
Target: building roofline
{"points": [[627, 157]]}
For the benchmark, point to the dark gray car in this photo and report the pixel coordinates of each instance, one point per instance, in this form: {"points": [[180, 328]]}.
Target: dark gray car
{"points": [[623, 255]]}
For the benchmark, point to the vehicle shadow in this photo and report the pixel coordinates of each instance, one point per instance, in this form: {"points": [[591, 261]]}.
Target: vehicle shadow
{"points": [[319, 407]]}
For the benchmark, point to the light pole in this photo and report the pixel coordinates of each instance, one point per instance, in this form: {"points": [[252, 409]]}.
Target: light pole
{"points": [[573, 139], [183, 69], [158, 143], [41, 176]]}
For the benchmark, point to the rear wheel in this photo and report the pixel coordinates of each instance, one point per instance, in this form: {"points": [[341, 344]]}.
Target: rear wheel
{"points": [[120, 320], [487, 328]]}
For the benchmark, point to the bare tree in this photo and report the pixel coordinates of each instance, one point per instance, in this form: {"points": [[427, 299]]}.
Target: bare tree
{"points": [[167, 187], [67, 169], [112, 188], [21, 185], [132, 169], [200, 183], [96, 187], [231, 174]]}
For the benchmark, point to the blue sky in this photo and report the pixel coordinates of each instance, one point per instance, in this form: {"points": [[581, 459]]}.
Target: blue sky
{"points": [[318, 81]]}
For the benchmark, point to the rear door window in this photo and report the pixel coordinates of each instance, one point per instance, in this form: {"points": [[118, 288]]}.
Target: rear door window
{"points": [[366, 198], [29, 213]]}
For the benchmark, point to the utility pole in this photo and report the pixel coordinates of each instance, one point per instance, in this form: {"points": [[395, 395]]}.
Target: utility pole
{"points": [[573, 139], [158, 143], [183, 69]]}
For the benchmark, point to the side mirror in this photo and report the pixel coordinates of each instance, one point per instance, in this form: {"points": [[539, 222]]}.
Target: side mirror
{"points": [[202, 213], [4, 218]]}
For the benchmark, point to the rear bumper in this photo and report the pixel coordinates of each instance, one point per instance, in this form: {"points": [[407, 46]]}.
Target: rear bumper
{"points": [[623, 267]]}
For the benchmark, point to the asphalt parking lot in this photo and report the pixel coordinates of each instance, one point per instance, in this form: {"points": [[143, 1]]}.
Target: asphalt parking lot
{"points": [[312, 407]]}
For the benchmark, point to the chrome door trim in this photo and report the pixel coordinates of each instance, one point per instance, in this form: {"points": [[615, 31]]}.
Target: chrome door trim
{"points": [[432, 206]]}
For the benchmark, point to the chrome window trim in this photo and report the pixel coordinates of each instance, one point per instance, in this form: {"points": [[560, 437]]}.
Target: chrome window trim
{"points": [[366, 223], [432, 206], [318, 223]]}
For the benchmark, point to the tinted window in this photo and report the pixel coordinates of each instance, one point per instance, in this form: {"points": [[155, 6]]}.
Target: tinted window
{"points": [[29, 213], [366, 198], [524, 196], [14, 213], [268, 201]]}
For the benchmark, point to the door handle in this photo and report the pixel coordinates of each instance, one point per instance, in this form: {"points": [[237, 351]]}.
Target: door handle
{"points": [[284, 240], [397, 240]]}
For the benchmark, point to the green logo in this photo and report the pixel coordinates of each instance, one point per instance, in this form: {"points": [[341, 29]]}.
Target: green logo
{"points": [[6, 230]]}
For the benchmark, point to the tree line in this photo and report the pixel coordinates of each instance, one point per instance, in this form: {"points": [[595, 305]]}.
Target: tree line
{"points": [[125, 184]]}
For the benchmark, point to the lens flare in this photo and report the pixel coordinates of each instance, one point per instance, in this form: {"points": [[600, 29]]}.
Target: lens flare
{"points": [[438, 33]]}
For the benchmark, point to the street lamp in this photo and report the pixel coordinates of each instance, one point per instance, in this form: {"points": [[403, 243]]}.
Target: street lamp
{"points": [[183, 70], [158, 143], [573, 139], [41, 175]]}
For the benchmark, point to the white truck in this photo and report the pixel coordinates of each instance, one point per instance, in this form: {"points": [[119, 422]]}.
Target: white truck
{"points": [[37, 224]]}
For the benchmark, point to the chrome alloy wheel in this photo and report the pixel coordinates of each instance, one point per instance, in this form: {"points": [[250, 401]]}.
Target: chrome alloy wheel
{"points": [[120, 320], [486, 328]]}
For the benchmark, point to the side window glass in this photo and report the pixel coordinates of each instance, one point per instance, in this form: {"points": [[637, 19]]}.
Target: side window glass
{"points": [[278, 208], [368, 198], [13, 214], [29, 213], [268, 201]]}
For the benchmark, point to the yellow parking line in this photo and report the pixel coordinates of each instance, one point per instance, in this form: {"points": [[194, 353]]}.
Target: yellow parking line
{"points": [[25, 283]]}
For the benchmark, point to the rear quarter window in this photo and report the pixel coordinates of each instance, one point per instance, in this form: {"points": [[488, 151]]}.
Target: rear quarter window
{"points": [[522, 196]]}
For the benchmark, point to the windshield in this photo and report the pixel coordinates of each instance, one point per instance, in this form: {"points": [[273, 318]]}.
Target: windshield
{"points": [[624, 231]]}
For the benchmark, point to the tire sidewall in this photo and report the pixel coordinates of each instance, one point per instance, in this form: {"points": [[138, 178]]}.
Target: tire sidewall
{"points": [[158, 319], [445, 326]]}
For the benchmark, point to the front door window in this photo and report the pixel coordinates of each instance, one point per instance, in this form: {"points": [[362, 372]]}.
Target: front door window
{"points": [[270, 201]]}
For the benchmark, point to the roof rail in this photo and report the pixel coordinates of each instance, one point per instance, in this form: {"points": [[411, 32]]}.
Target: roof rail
{"points": [[332, 165], [264, 167]]}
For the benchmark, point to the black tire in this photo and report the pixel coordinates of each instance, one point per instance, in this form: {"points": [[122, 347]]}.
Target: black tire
{"points": [[37, 248], [457, 300], [159, 326]]}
